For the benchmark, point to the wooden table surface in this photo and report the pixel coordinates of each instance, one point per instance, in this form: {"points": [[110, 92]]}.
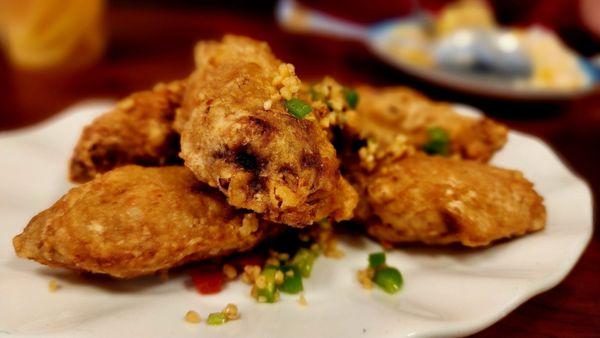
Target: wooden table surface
{"points": [[150, 45]]}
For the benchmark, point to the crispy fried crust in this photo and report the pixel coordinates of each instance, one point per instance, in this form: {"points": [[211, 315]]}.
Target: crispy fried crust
{"points": [[137, 131], [437, 200], [383, 113], [135, 221], [222, 71], [260, 156]]}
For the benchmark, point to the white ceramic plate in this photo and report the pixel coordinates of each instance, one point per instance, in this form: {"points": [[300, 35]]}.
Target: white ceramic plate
{"points": [[447, 292]]}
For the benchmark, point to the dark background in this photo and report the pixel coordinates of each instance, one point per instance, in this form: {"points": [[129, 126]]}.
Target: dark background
{"points": [[151, 41]]}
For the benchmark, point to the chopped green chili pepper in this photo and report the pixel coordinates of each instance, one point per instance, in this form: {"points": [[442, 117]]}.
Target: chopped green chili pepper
{"points": [[351, 97], [298, 108], [376, 259], [216, 318], [438, 142], [293, 280], [304, 260], [268, 291], [389, 279]]}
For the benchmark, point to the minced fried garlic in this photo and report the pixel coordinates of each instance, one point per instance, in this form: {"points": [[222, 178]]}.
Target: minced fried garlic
{"points": [[229, 271], [374, 151], [251, 272], [328, 97], [330, 250], [249, 224], [272, 261], [231, 312], [286, 81], [279, 277], [365, 277], [283, 256], [263, 299], [302, 300], [53, 286], [327, 240], [267, 104], [260, 282], [192, 317]]}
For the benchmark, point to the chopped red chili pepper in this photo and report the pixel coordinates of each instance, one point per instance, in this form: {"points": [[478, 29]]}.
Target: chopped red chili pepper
{"points": [[208, 279]]}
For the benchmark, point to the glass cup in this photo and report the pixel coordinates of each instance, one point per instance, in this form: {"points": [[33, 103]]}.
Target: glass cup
{"points": [[43, 34]]}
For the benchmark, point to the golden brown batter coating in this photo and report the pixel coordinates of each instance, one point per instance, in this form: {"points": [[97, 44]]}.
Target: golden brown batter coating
{"points": [[237, 135], [218, 64], [437, 200], [134, 221], [137, 131], [383, 113]]}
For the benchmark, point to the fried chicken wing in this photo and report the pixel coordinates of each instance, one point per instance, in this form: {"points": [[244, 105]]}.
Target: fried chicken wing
{"points": [[134, 221], [437, 200], [137, 131], [237, 136], [383, 113]]}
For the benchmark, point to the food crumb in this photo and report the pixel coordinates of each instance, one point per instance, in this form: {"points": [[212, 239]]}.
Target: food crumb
{"points": [[261, 282], [279, 277], [53, 286], [229, 271], [365, 278], [374, 151], [251, 272], [231, 312], [302, 300], [192, 317], [267, 104], [327, 240], [286, 81], [272, 261]]}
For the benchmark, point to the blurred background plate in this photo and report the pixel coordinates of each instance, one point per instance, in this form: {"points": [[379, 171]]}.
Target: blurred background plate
{"points": [[462, 48]]}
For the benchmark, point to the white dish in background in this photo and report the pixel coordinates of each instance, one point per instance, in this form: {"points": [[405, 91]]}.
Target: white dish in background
{"points": [[380, 36], [447, 292]]}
